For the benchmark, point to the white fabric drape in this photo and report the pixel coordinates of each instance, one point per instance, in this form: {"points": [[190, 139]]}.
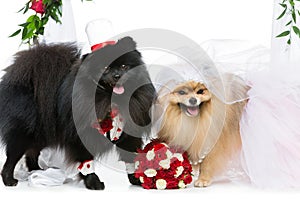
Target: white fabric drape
{"points": [[64, 32]]}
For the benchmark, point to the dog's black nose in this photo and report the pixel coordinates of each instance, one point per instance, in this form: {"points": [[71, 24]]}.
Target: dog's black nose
{"points": [[193, 101], [116, 77]]}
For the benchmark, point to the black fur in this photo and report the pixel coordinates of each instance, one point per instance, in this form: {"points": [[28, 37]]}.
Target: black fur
{"points": [[46, 84]]}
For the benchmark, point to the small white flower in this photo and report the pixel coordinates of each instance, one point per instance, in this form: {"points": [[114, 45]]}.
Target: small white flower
{"points": [[150, 172], [179, 171], [165, 164], [136, 164], [178, 156], [142, 179], [169, 154], [161, 184], [181, 184], [150, 155]]}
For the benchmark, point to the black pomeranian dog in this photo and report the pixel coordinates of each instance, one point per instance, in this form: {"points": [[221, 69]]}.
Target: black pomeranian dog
{"points": [[51, 97]]}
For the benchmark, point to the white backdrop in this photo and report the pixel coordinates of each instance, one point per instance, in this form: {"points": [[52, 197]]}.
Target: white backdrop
{"points": [[198, 19]]}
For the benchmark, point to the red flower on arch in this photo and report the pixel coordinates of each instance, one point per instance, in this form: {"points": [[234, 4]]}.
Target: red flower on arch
{"points": [[38, 6]]}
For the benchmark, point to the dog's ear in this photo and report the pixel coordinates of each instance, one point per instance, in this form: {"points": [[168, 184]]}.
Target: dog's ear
{"points": [[127, 42]]}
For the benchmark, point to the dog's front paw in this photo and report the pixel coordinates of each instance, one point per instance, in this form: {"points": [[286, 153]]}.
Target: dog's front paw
{"points": [[9, 180], [202, 183], [92, 182], [133, 180]]}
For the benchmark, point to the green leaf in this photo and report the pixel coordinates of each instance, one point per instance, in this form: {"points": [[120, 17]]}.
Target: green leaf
{"points": [[40, 31], [294, 16], [283, 5], [289, 23], [24, 24], [282, 14], [285, 33], [37, 22], [55, 17], [30, 18], [292, 3], [47, 2], [289, 41], [296, 30], [298, 12], [15, 33], [26, 7], [24, 33], [59, 9], [28, 34], [45, 20], [21, 9]]}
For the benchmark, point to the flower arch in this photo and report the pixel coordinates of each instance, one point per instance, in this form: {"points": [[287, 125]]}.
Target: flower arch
{"points": [[35, 23]]}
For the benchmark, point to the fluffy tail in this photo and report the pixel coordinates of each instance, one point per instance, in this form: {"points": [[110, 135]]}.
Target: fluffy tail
{"points": [[42, 69]]}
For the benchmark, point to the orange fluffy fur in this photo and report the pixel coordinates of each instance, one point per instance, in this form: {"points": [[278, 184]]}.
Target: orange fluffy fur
{"points": [[216, 127]]}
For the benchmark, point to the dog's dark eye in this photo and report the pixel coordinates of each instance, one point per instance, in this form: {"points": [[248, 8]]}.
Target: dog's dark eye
{"points": [[181, 92], [124, 67], [201, 91]]}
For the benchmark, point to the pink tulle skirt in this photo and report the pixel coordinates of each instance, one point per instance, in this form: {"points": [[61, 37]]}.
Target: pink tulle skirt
{"points": [[270, 131]]}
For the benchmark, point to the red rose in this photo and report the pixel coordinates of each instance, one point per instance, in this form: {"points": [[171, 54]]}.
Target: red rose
{"points": [[188, 179], [38, 6], [172, 184], [148, 183], [106, 125]]}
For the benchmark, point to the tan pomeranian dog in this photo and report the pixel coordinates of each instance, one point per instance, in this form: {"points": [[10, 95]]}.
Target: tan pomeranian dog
{"points": [[195, 120]]}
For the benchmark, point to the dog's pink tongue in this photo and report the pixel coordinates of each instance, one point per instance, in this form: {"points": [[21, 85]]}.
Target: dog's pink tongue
{"points": [[118, 89], [194, 111]]}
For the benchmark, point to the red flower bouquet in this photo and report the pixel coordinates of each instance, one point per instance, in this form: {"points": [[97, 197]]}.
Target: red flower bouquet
{"points": [[159, 166]]}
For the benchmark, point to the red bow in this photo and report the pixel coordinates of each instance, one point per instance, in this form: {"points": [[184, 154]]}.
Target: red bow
{"points": [[101, 45]]}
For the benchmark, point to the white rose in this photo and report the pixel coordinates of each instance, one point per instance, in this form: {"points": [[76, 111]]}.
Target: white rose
{"points": [[179, 171], [161, 184], [181, 184], [142, 179], [169, 154], [150, 172], [136, 164], [178, 156], [150, 155], [165, 164]]}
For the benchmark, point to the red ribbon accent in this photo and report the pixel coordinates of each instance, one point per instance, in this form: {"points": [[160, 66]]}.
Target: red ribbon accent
{"points": [[101, 45], [82, 164]]}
